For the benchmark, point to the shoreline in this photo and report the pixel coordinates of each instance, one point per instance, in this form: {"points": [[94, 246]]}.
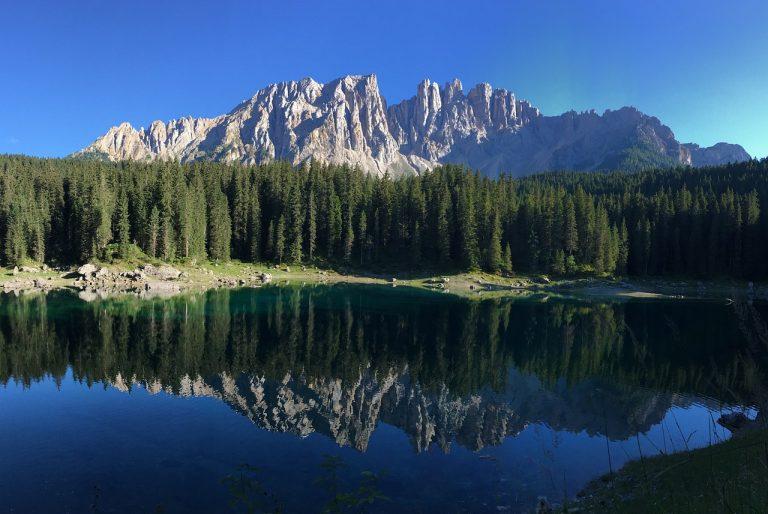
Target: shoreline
{"points": [[724, 476], [153, 279]]}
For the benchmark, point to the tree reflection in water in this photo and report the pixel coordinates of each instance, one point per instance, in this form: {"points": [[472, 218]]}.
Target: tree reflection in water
{"points": [[339, 360]]}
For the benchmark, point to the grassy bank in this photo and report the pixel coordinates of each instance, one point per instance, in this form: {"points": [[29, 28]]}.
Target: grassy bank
{"points": [[472, 284], [728, 477]]}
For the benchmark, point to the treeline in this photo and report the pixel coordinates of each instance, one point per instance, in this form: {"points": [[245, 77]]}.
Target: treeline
{"points": [[704, 223], [325, 334]]}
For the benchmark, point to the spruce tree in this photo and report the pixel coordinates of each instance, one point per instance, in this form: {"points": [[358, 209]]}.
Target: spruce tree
{"points": [[570, 230], [443, 235], [311, 226], [468, 231], [334, 225], [154, 231], [123, 225], [495, 258], [280, 240], [296, 236], [219, 226], [507, 260]]}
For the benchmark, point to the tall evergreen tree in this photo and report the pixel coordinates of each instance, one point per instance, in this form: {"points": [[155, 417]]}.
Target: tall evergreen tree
{"points": [[495, 260]]}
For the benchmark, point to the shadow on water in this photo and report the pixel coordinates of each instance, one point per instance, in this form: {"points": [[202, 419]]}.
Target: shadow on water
{"points": [[342, 361]]}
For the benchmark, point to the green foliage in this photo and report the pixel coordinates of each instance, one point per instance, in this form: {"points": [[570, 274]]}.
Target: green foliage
{"points": [[640, 157], [704, 223], [125, 253]]}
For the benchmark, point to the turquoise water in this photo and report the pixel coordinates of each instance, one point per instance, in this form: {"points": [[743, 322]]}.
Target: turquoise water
{"points": [[354, 397]]}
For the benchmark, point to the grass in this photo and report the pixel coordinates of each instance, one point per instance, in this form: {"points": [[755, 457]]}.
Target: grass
{"points": [[728, 477], [470, 284]]}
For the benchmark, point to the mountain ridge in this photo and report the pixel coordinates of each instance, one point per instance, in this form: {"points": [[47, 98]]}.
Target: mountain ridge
{"points": [[348, 121]]}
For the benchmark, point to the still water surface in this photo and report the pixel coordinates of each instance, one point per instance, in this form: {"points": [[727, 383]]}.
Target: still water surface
{"points": [[355, 398]]}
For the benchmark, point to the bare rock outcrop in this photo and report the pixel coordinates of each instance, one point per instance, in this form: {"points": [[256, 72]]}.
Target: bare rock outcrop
{"points": [[347, 121], [349, 410], [719, 153]]}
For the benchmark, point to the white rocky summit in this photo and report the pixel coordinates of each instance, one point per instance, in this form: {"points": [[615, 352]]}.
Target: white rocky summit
{"points": [[347, 121]]}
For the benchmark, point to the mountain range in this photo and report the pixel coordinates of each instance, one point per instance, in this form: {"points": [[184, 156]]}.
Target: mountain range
{"points": [[347, 121], [349, 411]]}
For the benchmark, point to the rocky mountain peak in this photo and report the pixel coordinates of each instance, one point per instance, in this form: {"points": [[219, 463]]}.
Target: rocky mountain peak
{"points": [[716, 154], [347, 121], [452, 90]]}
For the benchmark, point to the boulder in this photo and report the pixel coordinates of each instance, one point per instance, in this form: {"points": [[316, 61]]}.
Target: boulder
{"points": [[160, 286], [167, 273], [163, 272], [16, 285], [133, 275], [86, 270]]}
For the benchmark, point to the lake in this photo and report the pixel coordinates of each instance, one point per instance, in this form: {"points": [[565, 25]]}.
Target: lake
{"points": [[350, 398]]}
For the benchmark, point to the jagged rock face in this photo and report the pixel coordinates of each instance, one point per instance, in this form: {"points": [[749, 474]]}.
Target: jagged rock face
{"points": [[342, 122], [431, 124], [714, 155], [347, 122], [349, 411]]}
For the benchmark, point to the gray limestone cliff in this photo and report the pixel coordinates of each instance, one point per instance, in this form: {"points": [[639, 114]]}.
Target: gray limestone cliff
{"points": [[347, 121], [348, 411]]}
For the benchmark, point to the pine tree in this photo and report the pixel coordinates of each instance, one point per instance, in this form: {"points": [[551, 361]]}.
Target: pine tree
{"points": [[558, 264], [280, 239], [507, 260], [602, 242], [154, 231], [533, 249], [253, 238], [570, 230], [468, 231], [311, 226], [271, 239], [198, 219], [495, 258], [219, 226], [362, 235], [15, 247], [123, 224], [622, 257], [103, 205], [443, 236], [296, 236], [334, 225]]}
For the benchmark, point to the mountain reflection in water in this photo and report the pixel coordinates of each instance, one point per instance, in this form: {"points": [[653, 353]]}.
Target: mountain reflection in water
{"points": [[342, 361]]}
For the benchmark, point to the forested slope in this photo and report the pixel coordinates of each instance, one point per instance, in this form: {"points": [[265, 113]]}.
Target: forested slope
{"points": [[682, 221]]}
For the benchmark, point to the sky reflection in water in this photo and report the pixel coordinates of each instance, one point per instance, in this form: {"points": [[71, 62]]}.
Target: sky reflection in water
{"points": [[129, 405]]}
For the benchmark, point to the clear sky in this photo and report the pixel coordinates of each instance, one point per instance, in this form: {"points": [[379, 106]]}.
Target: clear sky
{"points": [[71, 69]]}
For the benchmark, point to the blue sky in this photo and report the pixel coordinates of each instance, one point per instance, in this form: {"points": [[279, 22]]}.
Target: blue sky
{"points": [[69, 70]]}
